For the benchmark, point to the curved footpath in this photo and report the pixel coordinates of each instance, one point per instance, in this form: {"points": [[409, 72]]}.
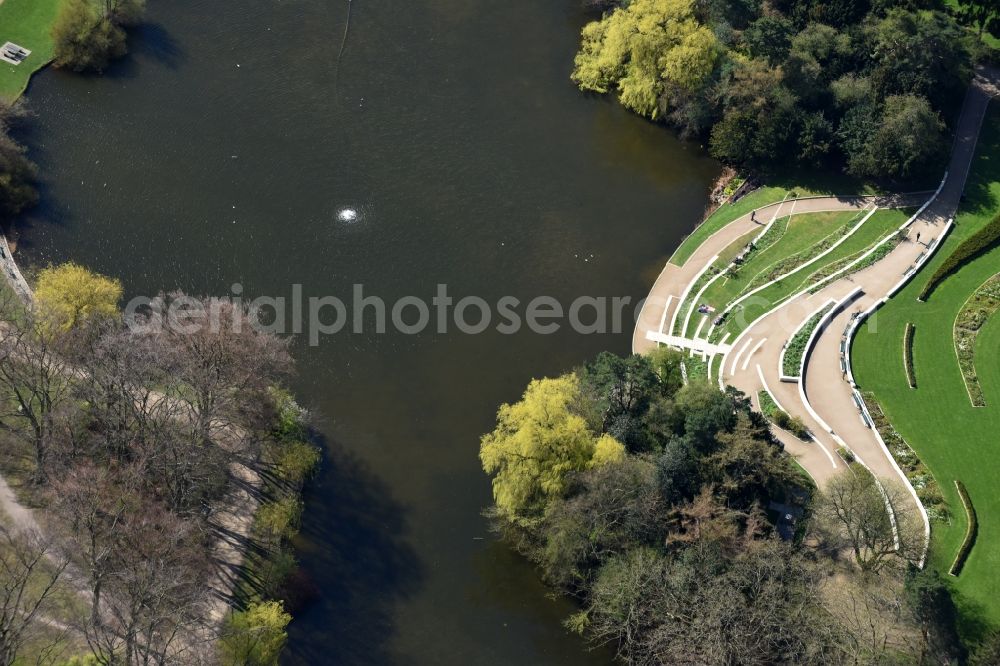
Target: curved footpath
{"points": [[825, 397]]}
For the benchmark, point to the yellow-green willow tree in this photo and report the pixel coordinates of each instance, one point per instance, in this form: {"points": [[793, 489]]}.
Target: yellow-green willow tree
{"points": [[537, 442], [69, 294], [644, 49]]}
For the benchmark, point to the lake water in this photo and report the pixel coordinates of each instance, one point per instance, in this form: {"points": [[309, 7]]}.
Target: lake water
{"points": [[222, 151]]}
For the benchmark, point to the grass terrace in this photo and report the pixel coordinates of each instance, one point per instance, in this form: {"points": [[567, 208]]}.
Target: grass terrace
{"points": [[881, 224], [789, 237]]}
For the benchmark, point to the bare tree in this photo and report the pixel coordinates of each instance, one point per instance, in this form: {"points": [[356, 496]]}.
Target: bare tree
{"points": [[36, 378], [869, 610], [29, 572], [222, 365], [93, 502], [154, 606], [118, 375], [871, 519]]}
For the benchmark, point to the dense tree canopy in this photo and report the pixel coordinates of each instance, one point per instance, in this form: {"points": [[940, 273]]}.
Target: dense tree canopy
{"points": [[644, 49], [867, 85], [670, 544]]}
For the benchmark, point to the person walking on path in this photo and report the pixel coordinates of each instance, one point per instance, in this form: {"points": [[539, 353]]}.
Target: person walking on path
{"points": [[918, 236], [753, 216]]}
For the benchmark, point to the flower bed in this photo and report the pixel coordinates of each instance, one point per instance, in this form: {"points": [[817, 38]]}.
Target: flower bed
{"points": [[983, 304], [696, 368], [791, 360], [916, 471]]}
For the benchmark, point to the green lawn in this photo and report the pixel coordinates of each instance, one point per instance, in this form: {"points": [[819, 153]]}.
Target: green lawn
{"points": [[800, 232], [29, 24], [722, 216], [792, 184], [955, 440], [725, 257], [877, 227]]}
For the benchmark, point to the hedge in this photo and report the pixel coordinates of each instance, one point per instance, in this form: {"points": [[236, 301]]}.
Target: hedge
{"points": [[970, 533], [971, 247], [908, 354]]}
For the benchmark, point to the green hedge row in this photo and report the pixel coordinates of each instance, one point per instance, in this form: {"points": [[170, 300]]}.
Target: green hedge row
{"points": [[970, 533], [908, 354], [970, 248]]}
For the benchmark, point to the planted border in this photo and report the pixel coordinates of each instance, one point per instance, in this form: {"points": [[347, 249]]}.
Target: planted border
{"points": [[971, 247], [779, 417], [977, 310], [791, 358], [971, 532], [917, 473], [802, 257], [695, 368], [908, 354]]}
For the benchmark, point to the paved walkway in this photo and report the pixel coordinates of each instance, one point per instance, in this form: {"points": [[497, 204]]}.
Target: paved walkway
{"points": [[13, 274], [825, 397], [671, 287]]}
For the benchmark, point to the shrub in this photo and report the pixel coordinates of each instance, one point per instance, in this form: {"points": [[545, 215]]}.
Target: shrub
{"points": [[296, 461], [275, 570], [279, 520], [254, 637], [780, 417], [87, 35], [290, 417], [970, 533], [971, 247], [798, 428], [908, 354]]}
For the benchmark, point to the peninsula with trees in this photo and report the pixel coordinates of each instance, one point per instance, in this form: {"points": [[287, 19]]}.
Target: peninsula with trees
{"points": [[793, 466]]}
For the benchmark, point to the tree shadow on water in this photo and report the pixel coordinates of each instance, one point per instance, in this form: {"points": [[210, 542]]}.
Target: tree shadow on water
{"points": [[146, 42], [353, 552], [155, 42]]}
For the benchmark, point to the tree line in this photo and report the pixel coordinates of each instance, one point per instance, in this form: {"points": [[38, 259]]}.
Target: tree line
{"points": [[866, 85], [135, 445], [668, 511]]}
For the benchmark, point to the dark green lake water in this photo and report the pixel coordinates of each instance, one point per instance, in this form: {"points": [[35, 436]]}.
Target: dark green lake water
{"points": [[221, 151]]}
